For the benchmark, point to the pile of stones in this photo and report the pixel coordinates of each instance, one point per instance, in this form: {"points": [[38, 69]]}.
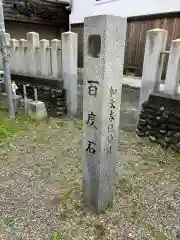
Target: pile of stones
{"points": [[159, 125]]}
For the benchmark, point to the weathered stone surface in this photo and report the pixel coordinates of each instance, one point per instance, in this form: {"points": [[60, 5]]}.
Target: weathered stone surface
{"points": [[168, 139], [145, 105], [155, 44], [155, 132], [173, 120], [152, 138], [178, 145], [37, 110], [142, 122], [177, 115], [170, 133], [163, 125], [161, 119], [177, 135], [162, 142], [172, 75], [152, 123], [152, 117], [104, 44], [143, 116], [166, 114], [147, 133], [175, 148], [149, 111], [140, 133], [162, 109], [69, 70], [162, 131], [149, 127], [172, 127], [154, 106], [142, 111], [159, 113], [141, 128]]}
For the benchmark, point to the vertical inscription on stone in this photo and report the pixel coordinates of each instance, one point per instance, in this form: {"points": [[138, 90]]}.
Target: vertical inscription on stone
{"points": [[112, 113], [91, 116]]}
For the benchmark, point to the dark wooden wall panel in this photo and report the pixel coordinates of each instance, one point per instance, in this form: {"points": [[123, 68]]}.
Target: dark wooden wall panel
{"points": [[10, 13], [19, 30], [136, 39], [137, 28]]}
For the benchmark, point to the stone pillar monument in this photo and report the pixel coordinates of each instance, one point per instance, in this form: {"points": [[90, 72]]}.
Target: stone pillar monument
{"points": [[69, 70], [173, 72], [104, 46], [152, 66]]}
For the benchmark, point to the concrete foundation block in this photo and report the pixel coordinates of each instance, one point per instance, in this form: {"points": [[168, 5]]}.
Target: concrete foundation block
{"points": [[37, 110]]}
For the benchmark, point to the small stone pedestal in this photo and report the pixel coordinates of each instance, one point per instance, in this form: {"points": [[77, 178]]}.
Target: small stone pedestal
{"points": [[37, 110]]}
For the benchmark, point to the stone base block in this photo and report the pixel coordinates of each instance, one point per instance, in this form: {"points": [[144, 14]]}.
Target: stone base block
{"points": [[37, 110]]}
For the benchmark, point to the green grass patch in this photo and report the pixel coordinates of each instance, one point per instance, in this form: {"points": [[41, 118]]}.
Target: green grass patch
{"points": [[56, 236], [78, 124], [10, 127]]}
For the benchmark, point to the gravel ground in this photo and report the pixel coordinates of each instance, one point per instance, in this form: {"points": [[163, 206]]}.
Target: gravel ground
{"points": [[40, 188]]}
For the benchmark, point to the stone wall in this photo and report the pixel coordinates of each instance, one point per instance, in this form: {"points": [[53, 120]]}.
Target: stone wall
{"points": [[160, 120]]}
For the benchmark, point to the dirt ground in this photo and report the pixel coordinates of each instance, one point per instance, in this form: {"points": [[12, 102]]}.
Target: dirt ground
{"points": [[41, 179]]}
